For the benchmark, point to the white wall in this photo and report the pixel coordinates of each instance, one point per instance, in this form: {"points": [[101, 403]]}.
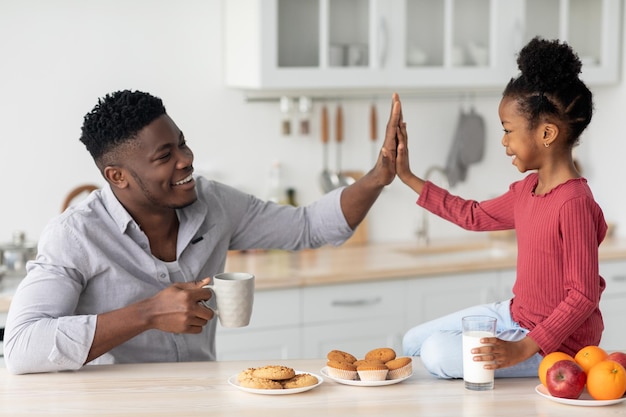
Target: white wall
{"points": [[57, 57]]}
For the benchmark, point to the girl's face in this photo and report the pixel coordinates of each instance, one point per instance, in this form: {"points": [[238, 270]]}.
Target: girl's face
{"points": [[522, 144]]}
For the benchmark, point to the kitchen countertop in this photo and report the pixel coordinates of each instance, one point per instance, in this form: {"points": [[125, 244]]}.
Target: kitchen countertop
{"points": [[202, 389], [371, 262]]}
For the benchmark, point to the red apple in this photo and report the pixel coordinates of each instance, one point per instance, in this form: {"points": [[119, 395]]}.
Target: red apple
{"points": [[619, 357], [566, 379]]}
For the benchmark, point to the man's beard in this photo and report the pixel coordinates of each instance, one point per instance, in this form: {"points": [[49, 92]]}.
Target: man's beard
{"points": [[158, 203]]}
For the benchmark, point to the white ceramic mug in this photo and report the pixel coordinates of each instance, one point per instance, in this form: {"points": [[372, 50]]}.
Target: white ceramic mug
{"points": [[234, 296], [356, 55], [476, 377], [336, 55]]}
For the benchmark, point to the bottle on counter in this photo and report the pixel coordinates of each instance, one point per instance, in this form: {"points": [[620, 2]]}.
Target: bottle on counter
{"points": [[275, 189], [291, 197]]}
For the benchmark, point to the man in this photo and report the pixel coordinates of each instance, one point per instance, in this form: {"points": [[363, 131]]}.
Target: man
{"points": [[119, 277]]}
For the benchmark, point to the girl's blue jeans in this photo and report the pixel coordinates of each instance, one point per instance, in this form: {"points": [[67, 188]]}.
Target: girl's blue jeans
{"points": [[439, 342]]}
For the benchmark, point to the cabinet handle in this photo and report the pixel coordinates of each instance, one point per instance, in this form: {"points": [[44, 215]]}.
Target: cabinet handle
{"points": [[382, 42], [356, 303], [618, 278]]}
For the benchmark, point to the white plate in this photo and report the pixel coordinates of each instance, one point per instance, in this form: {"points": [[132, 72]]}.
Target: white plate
{"points": [[235, 383], [584, 400], [359, 383]]}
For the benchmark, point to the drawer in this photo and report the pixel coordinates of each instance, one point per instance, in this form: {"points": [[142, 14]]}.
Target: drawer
{"points": [[614, 272], [275, 308], [267, 345], [356, 337], [332, 303]]}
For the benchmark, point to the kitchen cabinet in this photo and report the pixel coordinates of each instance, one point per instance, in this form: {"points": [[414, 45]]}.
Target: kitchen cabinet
{"points": [[354, 317], [613, 305], [437, 296], [274, 331], [3, 320], [258, 344], [355, 337], [506, 280], [308, 322], [323, 45], [592, 28]]}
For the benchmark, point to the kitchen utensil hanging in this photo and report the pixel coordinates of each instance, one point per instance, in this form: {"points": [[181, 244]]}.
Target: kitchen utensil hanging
{"points": [[374, 132], [328, 179], [342, 179], [286, 105], [468, 145]]}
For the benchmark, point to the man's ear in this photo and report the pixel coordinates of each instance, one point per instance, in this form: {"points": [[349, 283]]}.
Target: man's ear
{"points": [[115, 176]]}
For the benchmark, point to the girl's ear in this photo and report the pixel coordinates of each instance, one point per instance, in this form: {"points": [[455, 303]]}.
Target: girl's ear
{"points": [[550, 133]]}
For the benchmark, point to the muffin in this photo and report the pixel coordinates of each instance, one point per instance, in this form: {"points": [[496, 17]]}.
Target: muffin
{"points": [[372, 371], [384, 354], [399, 367], [341, 370], [360, 362], [340, 356]]}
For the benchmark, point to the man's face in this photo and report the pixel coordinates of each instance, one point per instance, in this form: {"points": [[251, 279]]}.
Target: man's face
{"points": [[160, 166]]}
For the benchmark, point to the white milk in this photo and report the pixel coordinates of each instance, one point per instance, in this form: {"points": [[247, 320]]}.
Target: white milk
{"points": [[473, 371]]}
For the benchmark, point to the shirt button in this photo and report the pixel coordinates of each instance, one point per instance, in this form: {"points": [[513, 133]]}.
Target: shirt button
{"points": [[144, 246], [162, 275]]}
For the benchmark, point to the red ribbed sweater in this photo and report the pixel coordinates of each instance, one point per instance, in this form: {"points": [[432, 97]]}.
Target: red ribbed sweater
{"points": [[558, 286]]}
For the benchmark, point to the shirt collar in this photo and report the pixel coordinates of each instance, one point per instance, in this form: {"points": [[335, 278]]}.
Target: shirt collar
{"points": [[193, 215], [117, 211]]}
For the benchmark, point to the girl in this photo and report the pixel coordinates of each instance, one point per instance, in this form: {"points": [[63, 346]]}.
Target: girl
{"points": [[558, 225]]}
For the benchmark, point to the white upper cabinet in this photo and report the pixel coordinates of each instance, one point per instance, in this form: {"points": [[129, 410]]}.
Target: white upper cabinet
{"points": [[359, 45], [591, 27]]}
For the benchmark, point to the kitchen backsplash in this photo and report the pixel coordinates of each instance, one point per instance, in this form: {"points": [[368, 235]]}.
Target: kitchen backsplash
{"points": [[175, 54]]}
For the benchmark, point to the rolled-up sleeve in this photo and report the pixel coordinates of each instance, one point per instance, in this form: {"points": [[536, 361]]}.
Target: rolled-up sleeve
{"points": [[43, 333]]}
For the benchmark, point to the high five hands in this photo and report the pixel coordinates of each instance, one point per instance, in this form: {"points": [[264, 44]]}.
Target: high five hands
{"points": [[403, 169]]}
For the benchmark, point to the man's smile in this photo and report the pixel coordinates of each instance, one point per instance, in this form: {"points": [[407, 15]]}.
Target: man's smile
{"points": [[185, 180]]}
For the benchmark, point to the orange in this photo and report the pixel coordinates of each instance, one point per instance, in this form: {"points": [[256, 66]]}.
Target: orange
{"points": [[606, 380], [549, 360], [589, 356]]}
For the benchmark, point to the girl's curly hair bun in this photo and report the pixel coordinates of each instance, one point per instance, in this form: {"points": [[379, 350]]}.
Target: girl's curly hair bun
{"points": [[548, 65]]}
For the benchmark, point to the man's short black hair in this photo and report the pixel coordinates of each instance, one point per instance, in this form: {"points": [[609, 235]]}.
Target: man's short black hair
{"points": [[116, 119]]}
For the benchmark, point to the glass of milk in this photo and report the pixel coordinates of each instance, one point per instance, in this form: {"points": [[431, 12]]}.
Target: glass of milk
{"points": [[476, 377]]}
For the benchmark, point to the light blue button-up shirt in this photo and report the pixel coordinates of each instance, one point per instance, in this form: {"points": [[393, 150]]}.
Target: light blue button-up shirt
{"points": [[94, 258]]}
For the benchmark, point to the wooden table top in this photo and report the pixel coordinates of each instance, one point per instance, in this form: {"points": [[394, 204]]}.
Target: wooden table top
{"points": [[202, 389]]}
